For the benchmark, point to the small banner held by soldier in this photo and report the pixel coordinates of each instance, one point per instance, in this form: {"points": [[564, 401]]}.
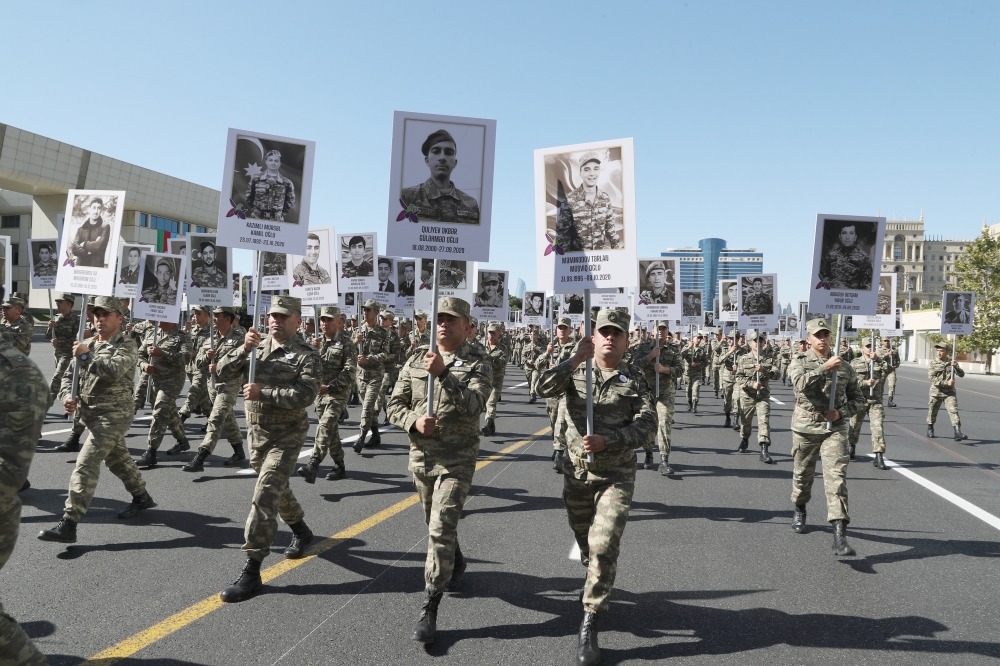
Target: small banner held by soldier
{"points": [[42, 262], [490, 302], [356, 257], [729, 301], [89, 242], [455, 279], [159, 286], [208, 275], [533, 308], [658, 297], [407, 282], [129, 269], [896, 332], [691, 307], [758, 301], [957, 312], [311, 275], [847, 254], [275, 274]]}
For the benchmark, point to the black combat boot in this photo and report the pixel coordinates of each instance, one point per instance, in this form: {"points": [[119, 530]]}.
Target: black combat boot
{"points": [[359, 445], [589, 653], [729, 421], [959, 435], [488, 428], [852, 451], [246, 585], [799, 520], [840, 546], [139, 504], [744, 444], [376, 439], [343, 416], [456, 573], [736, 421], [891, 403], [147, 459], [695, 408], [648, 462], [665, 469], [386, 421], [338, 472], [930, 431], [27, 484], [879, 461], [197, 463], [237, 458], [308, 471], [765, 457], [559, 463], [64, 532], [426, 628], [689, 406], [71, 445], [302, 536], [179, 447], [532, 398]]}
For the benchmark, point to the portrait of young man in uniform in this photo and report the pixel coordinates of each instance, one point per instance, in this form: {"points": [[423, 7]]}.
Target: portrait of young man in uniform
{"points": [[354, 263], [407, 278], [129, 273], [308, 271], [209, 270], [384, 273], [730, 296], [438, 199], [847, 261], [45, 261], [534, 304], [958, 309], [658, 286]]}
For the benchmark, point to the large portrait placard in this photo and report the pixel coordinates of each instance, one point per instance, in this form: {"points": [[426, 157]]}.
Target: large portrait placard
{"points": [[441, 186], [311, 275], [885, 309], [729, 301], [585, 216], [957, 312], [209, 272], [129, 269], [357, 256], [159, 286], [43, 254], [758, 301], [657, 297], [847, 254], [490, 301], [266, 190], [89, 241]]}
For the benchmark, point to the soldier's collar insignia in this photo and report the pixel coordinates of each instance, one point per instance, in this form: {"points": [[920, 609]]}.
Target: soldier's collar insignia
{"points": [[622, 378], [289, 356], [458, 363]]}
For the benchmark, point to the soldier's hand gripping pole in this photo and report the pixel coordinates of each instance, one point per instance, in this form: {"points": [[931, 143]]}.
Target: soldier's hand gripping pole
{"points": [[258, 279], [833, 380], [433, 324], [79, 338], [587, 332]]}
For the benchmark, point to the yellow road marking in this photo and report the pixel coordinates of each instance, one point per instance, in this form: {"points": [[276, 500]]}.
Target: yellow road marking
{"points": [[162, 629]]}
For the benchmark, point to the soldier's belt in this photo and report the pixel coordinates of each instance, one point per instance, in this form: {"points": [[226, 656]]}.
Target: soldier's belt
{"points": [[819, 417]]}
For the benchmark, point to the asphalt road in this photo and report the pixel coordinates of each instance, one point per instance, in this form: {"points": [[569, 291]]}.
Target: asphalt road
{"points": [[710, 571]]}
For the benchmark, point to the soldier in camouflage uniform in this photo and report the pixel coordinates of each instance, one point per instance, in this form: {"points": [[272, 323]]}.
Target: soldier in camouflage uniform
{"points": [[420, 335], [695, 357], [891, 363], [668, 364], [224, 363], [165, 361], [137, 332], [870, 369], [496, 352], [585, 219], [62, 331], [16, 328], [104, 398], [719, 347], [340, 365], [730, 361], [286, 382], [391, 364], [753, 372], [197, 397], [641, 358], [444, 445], [559, 350], [598, 494], [811, 376], [943, 390], [784, 359], [533, 350], [24, 399], [373, 351]]}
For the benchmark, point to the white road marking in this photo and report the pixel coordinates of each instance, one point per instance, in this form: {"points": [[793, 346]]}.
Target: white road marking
{"points": [[984, 516], [59, 432], [518, 385], [574, 552], [773, 399]]}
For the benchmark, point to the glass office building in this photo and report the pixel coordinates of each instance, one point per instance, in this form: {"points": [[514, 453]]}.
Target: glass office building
{"points": [[702, 267]]}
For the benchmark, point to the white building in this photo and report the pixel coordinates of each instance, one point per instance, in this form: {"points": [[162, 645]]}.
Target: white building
{"points": [[924, 263]]}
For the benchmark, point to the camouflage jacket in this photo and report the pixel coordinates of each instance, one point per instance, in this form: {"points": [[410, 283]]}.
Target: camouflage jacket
{"points": [[730, 359], [498, 354], [209, 277], [694, 355], [583, 225], [636, 355], [785, 353], [939, 373], [64, 332], [289, 377], [864, 369], [340, 364], [719, 347], [430, 203], [812, 394], [375, 346], [532, 352], [623, 414], [170, 367], [24, 399], [415, 336], [138, 332], [459, 399], [18, 334], [393, 350], [562, 352], [105, 380], [746, 375], [229, 363], [199, 336], [891, 357], [270, 197]]}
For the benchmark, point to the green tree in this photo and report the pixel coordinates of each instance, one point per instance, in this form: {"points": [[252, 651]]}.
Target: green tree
{"points": [[975, 271], [514, 302]]}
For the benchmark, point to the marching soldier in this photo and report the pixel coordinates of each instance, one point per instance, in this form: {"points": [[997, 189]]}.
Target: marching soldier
{"points": [[444, 445], [719, 347], [391, 364], [340, 365], [105, 402], [165, 362], [784, 359], [197, 397], [497, 354], [224, 363], [16, 328], [812, 376], [669, 365], [373, 351], [62, 330], [598, 494], [870, 369], [943, 390], [286, 382], [753, 372], [891, 363], [533, 350], [557, 351], [420, 335], [695, 357], [137, 332]]}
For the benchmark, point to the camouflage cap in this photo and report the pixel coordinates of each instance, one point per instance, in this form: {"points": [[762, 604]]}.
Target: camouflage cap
{"points": [[619, 320], [814, 326], [473, 321], [13, 302], [943, 345], [109, 303], [387, 314], [664, 323], [564, 321], [753, 334], [589, 157], [454, 306], [420, 314], [286, 305], [69, 298], [328, 311], [494, 326], [371, 304], [225, 309], [201, 308]]}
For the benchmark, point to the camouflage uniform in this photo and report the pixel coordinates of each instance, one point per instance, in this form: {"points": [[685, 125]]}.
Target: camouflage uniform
{"points": [[692, 372], [784, 360], [583, 225], [670, 357], [729, 364], [430, 203], [635, 356], [229, 376], [209, 277], [24, 399], [137, 335], [873, 403], [197, 396], [751, 401], [64, 333], [939, 373], [270, 196], [168, 380], [18, 333], [811, 439], [443, 463], [554, 406], [498, 357], [340, 365], [391, 369], [598, 495], [533, 351], [719, 348], [891, 363]]}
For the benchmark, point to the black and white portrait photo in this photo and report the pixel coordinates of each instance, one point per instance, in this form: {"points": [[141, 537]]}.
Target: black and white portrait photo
{"points": [[885, 299], [792, 325], [691, 303], [585, 199], [709, 321], [782, 323], [453, 274], [758, 294], [349, 299], [442, 171], [274, 264], [384, 269], [357, 255], [406, 278], [491, 293], [128, 269], [848, 254], [958, 307], [43, 257], [160, 279], [208, 263], [90, 228], [572, 304], [729, 291], [267, 178], [534, 304], [316, 266], [657, 282]]}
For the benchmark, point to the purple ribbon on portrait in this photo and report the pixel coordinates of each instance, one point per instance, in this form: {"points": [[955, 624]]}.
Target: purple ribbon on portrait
{"points": [[69, 260], [424, 285], [823, 284], [553, 245], [195, 284], [142, 299], [36, 274], [237, 210], [407, 213], [296, 283]]}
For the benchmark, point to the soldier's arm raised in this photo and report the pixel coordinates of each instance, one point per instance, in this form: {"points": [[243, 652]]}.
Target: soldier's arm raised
{"points": [[302, 391], [803, 379], [232, 361]]}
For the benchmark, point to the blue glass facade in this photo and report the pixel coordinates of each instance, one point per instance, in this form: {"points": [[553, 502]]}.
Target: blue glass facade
{"points": [[702, 267]]}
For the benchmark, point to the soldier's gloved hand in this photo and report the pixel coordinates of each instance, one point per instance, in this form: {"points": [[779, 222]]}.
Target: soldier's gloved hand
{"points": [[594, 443], [426, 425], [251, 391], [251, 339], [69, 404]]}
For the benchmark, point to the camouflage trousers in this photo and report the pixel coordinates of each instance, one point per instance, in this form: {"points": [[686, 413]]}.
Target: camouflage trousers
{"points": [[16, 649], [876, 414], [950, 403], [442, 498], [496, 392], [557, 419], [783, 369], [369, 389], [328, 411], [693, 388], [198, 395], [63, 362], [106, 444], [748, 406], [716, 375], [597, 508], [665, 421], [274, 451], [165, 417], [890, 383], [140, 391], [222, 417], [78, 426], [532, 376], [728, 386], [832, 446], [388, 382]]}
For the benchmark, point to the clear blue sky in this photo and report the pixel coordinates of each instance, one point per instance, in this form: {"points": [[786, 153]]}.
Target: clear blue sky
{"points": [[748, 117]]}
